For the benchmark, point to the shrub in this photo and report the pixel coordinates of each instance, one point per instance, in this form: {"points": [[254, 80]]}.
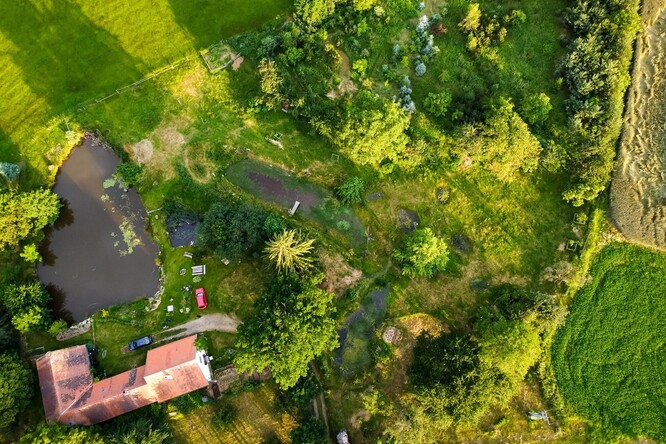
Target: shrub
{"points": [[536, 108], [419, 69], [129, 172], [423, 255], [11, 171], [351, 191], [58, 327], [30, 253], [437, 104]]}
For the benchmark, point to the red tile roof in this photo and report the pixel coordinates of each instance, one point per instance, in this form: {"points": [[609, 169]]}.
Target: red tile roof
{"points": [[64, 375], [170, 371]]}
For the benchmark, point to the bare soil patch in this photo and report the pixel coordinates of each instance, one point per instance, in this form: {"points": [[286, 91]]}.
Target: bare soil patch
{"points": [[340, 276], [638, 192]]}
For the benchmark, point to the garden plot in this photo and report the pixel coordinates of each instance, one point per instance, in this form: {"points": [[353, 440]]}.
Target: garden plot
{"points": [[317, 204]]}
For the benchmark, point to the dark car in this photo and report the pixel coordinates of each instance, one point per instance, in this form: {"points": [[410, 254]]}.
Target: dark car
{"points": [[141, 342], [201, 298]]}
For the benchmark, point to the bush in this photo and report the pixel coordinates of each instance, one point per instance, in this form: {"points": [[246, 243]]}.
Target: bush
{"points": [[225, 414], [129, 172], [58, 327], [351, 191], [424, 254], [536, 108], [11, 171], [419, 69], [437, 104]]}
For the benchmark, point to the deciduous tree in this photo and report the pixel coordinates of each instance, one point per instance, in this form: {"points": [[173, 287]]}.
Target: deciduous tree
{"points": [[423, 255], [22, 215], [15, 388], [291, 326], [372, 130], [504, 144]]}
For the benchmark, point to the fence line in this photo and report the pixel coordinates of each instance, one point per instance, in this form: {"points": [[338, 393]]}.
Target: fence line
{"points": [[150, 76]]}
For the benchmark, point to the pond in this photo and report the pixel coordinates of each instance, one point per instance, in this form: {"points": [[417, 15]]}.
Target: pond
{"points": [[316, 203], [98, 252]]}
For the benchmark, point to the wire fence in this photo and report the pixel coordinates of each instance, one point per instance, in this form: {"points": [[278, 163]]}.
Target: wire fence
{"points": [[188, 58]]}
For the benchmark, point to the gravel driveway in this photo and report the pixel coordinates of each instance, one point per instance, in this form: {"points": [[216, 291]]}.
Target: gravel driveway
{"points": [[211, 322]]}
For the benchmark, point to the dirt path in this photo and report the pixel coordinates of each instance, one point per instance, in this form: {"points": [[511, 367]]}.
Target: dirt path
{"points": [[211, 322], [638, 192]]}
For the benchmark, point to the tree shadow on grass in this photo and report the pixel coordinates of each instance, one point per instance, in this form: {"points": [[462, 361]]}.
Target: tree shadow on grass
{"points": [[64, 56], [209, 22]]}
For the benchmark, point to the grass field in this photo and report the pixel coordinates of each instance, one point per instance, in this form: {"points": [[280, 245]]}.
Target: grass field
{"points": [[255, 420], [609, 356], [55, 55]]}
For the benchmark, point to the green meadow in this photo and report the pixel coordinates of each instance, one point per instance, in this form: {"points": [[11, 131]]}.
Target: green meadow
{"points": [[55, 55], [609, 356]]}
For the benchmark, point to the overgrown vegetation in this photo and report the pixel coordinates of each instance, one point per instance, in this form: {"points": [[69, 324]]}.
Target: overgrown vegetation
{"points": [[450, 109], [596, 72]]}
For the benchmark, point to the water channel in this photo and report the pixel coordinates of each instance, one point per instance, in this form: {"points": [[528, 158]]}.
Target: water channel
{"points": [[98, 252]]}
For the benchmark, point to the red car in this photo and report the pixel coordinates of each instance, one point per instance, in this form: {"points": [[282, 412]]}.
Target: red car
{"points": [[200, 293]]}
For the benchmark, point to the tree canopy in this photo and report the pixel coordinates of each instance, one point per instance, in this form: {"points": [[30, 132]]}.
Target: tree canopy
{"points": [[423, 255], [504, 143], [291, 326], [232, 229], [27, 303], [15, 388], [372, 130], [22, 215], [290, 251]]}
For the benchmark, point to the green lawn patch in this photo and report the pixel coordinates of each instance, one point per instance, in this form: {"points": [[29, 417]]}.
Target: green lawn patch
{"points": [[55, 55], [609, 358]]}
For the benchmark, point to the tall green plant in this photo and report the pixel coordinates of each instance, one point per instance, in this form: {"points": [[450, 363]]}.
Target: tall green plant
{"points": [[290, 251]]}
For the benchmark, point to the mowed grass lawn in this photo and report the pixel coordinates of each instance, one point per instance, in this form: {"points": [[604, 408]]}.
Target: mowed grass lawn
{"points": [[55, 54], [610, 356]]}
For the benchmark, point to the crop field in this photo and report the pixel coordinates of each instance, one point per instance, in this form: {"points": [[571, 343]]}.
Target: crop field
{"points": [[609, 356], [55, 55], [639, 186]]}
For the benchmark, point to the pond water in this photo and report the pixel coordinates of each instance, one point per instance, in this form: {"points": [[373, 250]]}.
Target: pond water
{"points": [[316, 203], [98, 252]]}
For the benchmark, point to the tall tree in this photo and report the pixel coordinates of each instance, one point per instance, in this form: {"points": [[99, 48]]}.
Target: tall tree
{"points": [[504, 144], [291, 326], [27, 303], [232, 229], [372, 130], [290, 251], [22, 215], [15, 388], [313, 12]]}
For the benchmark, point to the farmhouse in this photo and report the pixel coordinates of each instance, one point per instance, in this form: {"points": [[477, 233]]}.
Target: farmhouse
{"points": [[70, 396]]}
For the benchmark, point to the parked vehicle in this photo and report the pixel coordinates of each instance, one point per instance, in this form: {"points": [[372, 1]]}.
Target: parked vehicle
{"points": [[141, 342], [200, 294]]}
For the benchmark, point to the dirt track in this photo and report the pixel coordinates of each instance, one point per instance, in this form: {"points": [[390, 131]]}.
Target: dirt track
{"points": [[638, 192], [211, 322]]}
